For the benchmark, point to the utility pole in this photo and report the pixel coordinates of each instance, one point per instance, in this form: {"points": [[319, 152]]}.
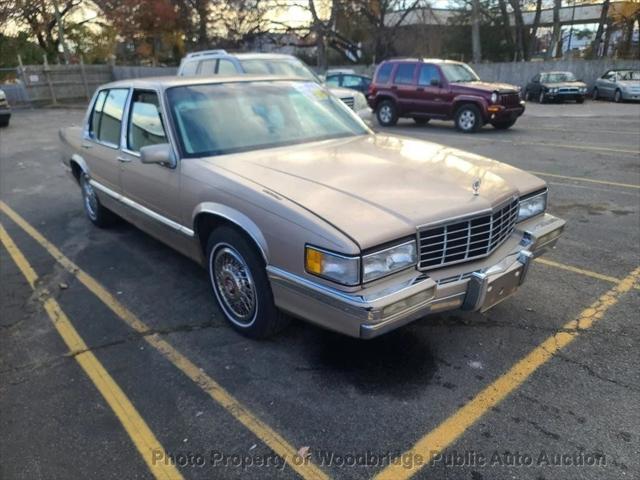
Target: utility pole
{"points": [[475, 31], [65, 50], [573, 17]]}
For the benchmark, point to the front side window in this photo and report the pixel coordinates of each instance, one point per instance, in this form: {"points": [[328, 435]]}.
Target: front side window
{"points": [[145, 122], [351, 81], [404, 74], [106, 120], [384, 73], [427, 74], [217, 119], [626, 75], [226, 68]]}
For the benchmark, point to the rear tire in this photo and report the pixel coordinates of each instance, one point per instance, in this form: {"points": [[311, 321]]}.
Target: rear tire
{"points": [[240, 284], [503, 125], [421, 120], [468, 118], [100, 216], [387, 113], [4, 122], [580, 100], [595, 94], [542, 98]]}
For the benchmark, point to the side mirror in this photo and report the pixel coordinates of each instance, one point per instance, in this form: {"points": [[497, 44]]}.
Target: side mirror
{"points": [[435, 82], [162, 154]]}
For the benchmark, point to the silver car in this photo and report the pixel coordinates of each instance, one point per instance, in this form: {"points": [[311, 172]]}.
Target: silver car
{"points": [[618, 85]]}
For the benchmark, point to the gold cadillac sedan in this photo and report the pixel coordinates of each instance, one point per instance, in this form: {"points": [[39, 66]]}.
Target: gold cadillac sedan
{"points": [[295, 207]]}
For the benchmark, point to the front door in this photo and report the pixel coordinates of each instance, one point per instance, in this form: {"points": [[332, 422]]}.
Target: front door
{"points": [[431, 97], [154, 189], [404, 87], [101, 142]]}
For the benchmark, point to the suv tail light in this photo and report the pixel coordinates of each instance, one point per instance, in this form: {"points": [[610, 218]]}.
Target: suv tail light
{"points": [[371, 90]]}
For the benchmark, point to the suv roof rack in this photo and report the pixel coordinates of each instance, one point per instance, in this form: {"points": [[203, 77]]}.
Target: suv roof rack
{"points": [[202, 53]]}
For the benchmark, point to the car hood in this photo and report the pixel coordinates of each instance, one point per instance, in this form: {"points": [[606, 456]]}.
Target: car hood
{"points": [[485, 87], [377, 188], [564, 84], [342, 92]]}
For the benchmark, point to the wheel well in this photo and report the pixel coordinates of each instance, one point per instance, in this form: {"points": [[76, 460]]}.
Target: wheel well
{"points": [[76, 170], [381, 99], [205, 223]]}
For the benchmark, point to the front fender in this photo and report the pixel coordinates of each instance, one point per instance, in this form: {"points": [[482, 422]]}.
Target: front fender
{"points": [[238, 218], [465, 98]]}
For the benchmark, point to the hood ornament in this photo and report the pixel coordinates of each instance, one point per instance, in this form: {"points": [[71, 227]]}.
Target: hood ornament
{"points": [[476, 186]]}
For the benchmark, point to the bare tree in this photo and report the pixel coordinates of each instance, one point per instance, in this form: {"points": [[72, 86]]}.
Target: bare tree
{"points": [[533, 33], [604, 14], [475, 31], [555, 35]]}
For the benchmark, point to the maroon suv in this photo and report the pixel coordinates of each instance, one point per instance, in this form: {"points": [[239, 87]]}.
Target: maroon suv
{"points": [[444, 90]]}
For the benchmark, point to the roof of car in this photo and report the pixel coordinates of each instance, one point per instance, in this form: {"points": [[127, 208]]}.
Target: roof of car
{"points": [[195, 56], [556, 72], [424, 60], [174, 81]]}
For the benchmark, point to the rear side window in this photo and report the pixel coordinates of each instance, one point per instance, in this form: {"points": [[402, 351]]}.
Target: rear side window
{"points": [[404, 73], [384, 73], [351, 81], [106, 118], [189, 68], [145, 122], [207, 67], [427, 74], [333, 81], [96, 115]]}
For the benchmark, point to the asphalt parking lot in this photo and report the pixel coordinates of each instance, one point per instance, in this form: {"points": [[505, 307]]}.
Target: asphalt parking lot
{"points": [[138, 370]]}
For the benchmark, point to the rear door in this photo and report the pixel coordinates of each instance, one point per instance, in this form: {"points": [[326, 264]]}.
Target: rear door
{"points": [[404, 86], [102, 139]]}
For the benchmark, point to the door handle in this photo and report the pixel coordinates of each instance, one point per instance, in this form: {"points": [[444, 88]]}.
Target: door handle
{"points": [[420, 89], [123, 159], [87, 145]]}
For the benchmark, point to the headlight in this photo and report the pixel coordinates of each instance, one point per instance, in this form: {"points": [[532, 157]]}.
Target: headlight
{"points": [[359, 101], [385, 262], [532, 205], [332, 266], [494, 97], [2, 95]]}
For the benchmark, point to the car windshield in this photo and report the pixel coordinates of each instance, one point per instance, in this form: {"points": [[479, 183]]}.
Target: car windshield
{"points": [[215, 119], [458, 73], [558, 77], [286, 67], [629, 75]]}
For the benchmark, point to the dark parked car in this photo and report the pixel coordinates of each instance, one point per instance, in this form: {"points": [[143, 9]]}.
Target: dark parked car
{"points": [[348, 80], [444, 90], [5, 111], [618, 85], [555, 86]]}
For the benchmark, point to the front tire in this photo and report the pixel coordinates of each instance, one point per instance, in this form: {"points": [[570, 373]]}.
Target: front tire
{"points": [[387, 113], [468, 119], [240, 284], [527, 95], [4, 122], [97, 213], [542, 98], [595, 94], [617, 97], [580, 100]]}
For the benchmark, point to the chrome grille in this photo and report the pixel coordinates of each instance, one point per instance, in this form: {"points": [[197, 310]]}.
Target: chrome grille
{"points": [[568, 90], [349, 102], [467, 239], [509, 99]]}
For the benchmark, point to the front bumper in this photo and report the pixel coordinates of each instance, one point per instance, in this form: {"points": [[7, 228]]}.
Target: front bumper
{"points": [[502, 113], [372, 311], [630, 95]]}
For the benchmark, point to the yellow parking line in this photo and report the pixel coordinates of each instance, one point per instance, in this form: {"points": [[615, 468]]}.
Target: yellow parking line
{"points": [[569, 268], [588, 180], [436, 441], [138, 430], [241, 413]]}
